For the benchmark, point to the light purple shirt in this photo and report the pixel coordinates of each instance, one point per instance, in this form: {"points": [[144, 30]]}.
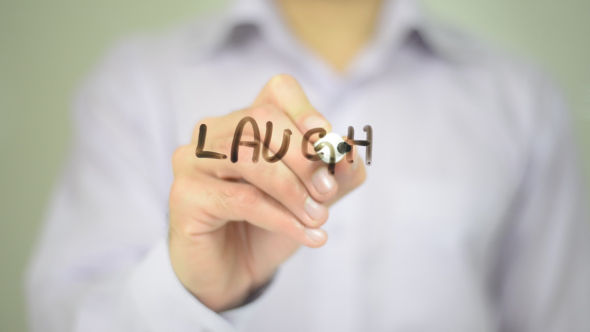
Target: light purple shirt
{"points": [[472, 218]]}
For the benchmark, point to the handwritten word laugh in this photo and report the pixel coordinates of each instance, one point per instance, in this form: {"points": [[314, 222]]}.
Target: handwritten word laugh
{"points": [[255, 144]]}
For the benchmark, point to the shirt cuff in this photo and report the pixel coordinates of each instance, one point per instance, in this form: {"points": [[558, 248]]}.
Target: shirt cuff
{"points": [[156, 300], [238, 316]]}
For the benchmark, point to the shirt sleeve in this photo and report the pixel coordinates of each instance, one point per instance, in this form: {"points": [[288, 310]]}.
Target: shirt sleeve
{"points": [[102, 261], [545, 258], [153, 299]]}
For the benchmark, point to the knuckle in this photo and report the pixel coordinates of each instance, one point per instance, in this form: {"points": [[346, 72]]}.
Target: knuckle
{"points": [[203, 121], [221, 145], [245, 196], [249, 196], [179, 157], [179, 191], [197, 128], [225, 146], [289, 186], [190, 207], [263, 112], [281, 81]]}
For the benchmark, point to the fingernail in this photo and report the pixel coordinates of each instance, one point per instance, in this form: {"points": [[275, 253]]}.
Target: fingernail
{"points": [[315, 234], [323, 181], [314, 209], [315, 121]]}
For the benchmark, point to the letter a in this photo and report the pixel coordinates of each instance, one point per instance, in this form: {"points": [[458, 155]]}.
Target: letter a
{"points": [[251, 144]]}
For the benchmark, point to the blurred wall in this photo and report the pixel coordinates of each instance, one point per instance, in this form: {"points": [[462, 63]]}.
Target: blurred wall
{"points": [[47, 46]]}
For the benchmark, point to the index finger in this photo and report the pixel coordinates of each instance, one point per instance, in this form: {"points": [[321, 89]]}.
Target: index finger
{"points": [[284, 92]]}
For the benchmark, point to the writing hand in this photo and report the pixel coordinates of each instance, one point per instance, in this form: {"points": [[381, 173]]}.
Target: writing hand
{"points": [[233, 224]]}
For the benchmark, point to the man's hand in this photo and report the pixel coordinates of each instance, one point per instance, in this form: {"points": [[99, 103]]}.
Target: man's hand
{"points": [[233, 224]]}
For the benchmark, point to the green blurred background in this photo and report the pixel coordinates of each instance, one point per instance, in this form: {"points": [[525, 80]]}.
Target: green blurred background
{"points": [[46, 47]]}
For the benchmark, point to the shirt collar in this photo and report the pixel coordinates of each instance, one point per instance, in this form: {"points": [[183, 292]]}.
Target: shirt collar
{"points": [[399, 19]]}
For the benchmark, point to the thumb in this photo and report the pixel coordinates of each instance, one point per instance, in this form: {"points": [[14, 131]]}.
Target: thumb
{"points": [[284, 92]]}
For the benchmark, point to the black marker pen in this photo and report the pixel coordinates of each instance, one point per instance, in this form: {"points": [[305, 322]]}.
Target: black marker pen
{"points": [[331, 144]]}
